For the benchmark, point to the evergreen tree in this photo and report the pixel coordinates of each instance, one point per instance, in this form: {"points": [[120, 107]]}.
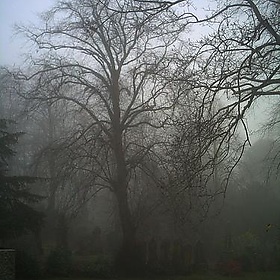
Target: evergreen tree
{"points": [[17, 216]]}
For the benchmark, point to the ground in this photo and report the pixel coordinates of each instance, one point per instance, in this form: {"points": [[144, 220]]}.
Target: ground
{"points": [[247, 276]]}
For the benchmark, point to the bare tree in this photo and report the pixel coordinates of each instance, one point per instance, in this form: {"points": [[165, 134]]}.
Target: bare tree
{"points": [[271, 129], [237, 62], [234, 66], [111, 65], [124, 64], [243, 55]]}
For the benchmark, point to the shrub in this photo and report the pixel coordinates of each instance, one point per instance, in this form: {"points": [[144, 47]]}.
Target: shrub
{"points": [[59, 262], [27, 266], [231, 267], [248, 251], [92, 266]]}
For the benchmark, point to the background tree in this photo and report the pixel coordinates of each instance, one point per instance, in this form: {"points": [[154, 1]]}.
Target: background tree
{"points": [[254, 192], [46, 150], [271, 129], [238, 62], [17, 216]]}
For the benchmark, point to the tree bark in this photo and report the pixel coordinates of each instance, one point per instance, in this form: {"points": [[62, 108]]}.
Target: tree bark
{"points": [[125, 259]]}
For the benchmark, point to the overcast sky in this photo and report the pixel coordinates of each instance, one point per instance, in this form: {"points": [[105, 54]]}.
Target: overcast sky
{"points": [[25, 12], [16, 11]]}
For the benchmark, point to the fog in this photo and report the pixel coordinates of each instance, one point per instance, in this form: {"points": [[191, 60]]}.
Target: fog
{"points": [[139, 139]]}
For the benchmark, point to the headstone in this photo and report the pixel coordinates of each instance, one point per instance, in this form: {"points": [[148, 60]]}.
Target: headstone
{"points": [[96, 241], [152, 253], [164, 254], [182, 257], [199, 256], [176, 254], [112, 243], [141, 248], [188, 256]]}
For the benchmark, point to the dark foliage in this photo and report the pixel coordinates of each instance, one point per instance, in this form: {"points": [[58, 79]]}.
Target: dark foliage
{"points": [[230, 268], [16, 214], [59, 262], [27, 266], [92, 266]]}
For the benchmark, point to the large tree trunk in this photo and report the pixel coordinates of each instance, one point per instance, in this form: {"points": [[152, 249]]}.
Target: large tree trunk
{"points": [[126, 258]]}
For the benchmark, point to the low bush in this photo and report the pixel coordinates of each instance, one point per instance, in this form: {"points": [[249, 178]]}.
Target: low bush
{"points": [[27, 266], [232, 268], [59, 263], [92, 266]]}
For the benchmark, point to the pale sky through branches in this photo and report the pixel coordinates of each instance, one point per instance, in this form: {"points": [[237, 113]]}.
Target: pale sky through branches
{"points": [[25, 12], [20, 12]]}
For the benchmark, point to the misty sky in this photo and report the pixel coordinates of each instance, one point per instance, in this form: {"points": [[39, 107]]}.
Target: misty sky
{"points": [[25, 12], [16, 11]]}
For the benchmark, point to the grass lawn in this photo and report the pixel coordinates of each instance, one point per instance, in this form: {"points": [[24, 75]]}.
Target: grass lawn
{"points": [[247, 276]]}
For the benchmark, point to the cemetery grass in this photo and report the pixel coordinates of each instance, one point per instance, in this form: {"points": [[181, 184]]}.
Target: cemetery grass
{"points": [[208, 276]]}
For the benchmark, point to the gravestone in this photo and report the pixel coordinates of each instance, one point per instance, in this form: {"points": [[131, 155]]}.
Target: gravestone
{"points": [[141, 253], [188, 257], [152, 254], [182, 257], [199, 257], [164, 255], [7, 264], [96, 241], [176, 254]]}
